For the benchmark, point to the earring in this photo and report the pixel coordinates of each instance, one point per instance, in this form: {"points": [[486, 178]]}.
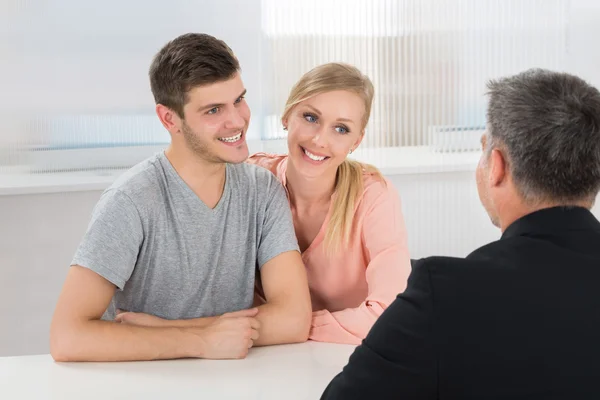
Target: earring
{"points": [[285, 128], [351, 150]]}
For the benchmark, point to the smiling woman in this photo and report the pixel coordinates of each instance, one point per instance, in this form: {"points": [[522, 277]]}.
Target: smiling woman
{"points": [[338, 128], [347, 217]]}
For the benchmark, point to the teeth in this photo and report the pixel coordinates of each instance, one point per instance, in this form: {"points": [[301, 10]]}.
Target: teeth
{"points": [[232, 139], [313, 157]]}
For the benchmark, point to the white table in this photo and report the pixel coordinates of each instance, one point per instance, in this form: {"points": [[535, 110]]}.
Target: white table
{"points": [[299, 371]]}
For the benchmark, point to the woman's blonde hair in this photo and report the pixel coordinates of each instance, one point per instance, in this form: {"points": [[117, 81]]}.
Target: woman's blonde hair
{"points": [[349, 179]]}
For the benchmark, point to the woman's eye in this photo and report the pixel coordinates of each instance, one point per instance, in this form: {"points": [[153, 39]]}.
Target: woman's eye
{"points": [[310, 117], [341, 129]]}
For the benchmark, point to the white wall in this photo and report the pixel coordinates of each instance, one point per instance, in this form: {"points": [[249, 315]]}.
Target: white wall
{"points": [[38, 237], [584, 30], [443, 214], [74, 58], [39, 234]]}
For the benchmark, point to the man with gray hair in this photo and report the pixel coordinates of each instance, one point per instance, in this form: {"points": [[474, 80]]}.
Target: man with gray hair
{"points": [[518, 318]]}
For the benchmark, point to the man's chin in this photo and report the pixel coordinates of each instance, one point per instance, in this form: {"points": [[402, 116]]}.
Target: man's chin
{"points": [[239, 156]]}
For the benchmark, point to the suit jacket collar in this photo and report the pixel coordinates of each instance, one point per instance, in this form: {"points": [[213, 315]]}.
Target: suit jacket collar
{"points": [[553, 220]]}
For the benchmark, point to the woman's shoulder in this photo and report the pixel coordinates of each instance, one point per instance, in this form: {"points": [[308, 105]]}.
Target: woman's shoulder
{"points": [[267, 160], [377, 187]]}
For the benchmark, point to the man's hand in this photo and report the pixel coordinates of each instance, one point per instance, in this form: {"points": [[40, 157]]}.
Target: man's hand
{"points": [[229, 336], [225, 337]]}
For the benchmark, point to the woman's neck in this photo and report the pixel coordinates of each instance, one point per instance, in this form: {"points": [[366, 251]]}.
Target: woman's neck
{"points": [[308, 193]]}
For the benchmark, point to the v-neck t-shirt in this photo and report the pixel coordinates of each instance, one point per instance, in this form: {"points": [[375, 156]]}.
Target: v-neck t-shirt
{"points": [[171, 255]]}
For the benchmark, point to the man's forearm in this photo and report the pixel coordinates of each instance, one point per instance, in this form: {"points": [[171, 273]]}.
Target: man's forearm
{"points": [[191, 323], [281, 324], [278, 324], [97, 340]]}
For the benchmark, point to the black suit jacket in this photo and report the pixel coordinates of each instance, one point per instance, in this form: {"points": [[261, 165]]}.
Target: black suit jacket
{"points": [[517, 319]]}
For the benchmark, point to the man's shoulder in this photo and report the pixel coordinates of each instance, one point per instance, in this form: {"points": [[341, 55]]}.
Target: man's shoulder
{"points": [[141, 183], [434, 263], [250, 176], [485, 253], [444, 265], [508, 251], [493, 261]]}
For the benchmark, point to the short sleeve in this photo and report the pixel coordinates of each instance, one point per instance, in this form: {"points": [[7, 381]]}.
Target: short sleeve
{"points": [[113, 239], [277, 234]]}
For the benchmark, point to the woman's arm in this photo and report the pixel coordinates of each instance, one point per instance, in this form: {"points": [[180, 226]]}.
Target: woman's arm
{"points": [[384, 237]]}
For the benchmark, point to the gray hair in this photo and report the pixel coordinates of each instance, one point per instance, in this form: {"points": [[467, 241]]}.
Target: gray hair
{"points": [[548, 125]]}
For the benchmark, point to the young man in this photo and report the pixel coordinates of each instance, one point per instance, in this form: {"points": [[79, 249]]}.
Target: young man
{"points": [[518, 318], [176, 241]]}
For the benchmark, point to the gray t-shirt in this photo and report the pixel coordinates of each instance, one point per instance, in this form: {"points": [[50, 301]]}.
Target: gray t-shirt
{"points": [[172, 256]]}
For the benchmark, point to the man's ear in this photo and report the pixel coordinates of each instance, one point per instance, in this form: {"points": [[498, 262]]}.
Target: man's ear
{"points": [[498, 168], [168, 118]]}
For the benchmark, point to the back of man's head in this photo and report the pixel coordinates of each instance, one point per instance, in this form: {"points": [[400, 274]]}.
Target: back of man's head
{"points": [[548, 125]]}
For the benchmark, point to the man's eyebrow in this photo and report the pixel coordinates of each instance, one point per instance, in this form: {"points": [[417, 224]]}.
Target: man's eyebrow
{"points": [[213, 105]]}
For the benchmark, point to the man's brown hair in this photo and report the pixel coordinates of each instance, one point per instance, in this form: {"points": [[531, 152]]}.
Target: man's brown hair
{"points": [[186, 62]]}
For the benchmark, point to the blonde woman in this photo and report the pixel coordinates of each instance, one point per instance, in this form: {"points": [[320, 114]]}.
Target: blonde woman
{"points": [[347, 216]]}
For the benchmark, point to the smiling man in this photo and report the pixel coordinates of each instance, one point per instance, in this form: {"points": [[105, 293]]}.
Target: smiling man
{"points": [[177, 241]]}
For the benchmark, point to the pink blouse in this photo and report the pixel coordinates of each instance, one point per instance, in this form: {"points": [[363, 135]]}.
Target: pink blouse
{"points": [[352, 289]]}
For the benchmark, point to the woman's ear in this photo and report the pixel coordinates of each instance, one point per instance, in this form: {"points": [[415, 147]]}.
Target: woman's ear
{"points": [[358, 141]]}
